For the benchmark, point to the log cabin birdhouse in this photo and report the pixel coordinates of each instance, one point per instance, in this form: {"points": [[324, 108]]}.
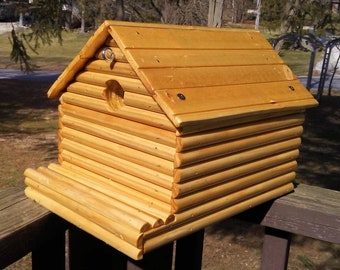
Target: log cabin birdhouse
{"points": [[166, 129]]}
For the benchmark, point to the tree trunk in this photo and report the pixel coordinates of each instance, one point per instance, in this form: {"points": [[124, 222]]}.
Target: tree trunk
{"points": [[258, 12], [215, 13], [21, 20], [120, 10], [82, 25]]}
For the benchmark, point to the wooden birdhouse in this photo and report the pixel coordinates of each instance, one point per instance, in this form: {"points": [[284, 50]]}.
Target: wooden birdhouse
{"points": [[166, 129]]}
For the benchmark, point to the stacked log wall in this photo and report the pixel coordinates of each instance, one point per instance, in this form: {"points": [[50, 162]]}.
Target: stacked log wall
{"points": [[202, 162], [135, 178]]}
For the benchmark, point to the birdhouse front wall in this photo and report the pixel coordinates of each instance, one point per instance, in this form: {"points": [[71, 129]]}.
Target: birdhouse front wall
{"points": [[110, 125]]}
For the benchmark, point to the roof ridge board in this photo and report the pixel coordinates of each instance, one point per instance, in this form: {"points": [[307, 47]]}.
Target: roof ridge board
{"points": [[144, 37], [175, 26], [198, 49], [214, 66]]}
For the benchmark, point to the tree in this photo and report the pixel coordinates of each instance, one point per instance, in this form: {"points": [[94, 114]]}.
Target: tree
{"points": [[236, 10], [293, 15], [47, 25], [191, 12], [120, 10], [258, 12], [215, 14], [50, 19], [271, 13]]}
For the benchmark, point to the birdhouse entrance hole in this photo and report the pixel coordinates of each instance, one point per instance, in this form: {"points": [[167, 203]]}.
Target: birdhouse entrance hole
{"points": [[114, 95]]}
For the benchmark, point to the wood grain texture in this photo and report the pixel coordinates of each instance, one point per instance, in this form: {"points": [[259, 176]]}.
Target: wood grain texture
{"points": [[211, 180], [177, 37], [71, 136], [132, 237], [112, 135], [84, 223], [101, 79], [26, 226], [130, 113], [76, 195], [205, 77], [280, 175], [202, 139], [186, 58], [310, 211], [112, 68], [184, 127], [215, 70], [225, 103], [120, 125], [87, 52], [120, 171], [112, 188], [222, 149], [182, 175], [157, 237], [141, 102], [86, 89]]}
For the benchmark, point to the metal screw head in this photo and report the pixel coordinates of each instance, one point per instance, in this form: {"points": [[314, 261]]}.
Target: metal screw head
{"points": [[291, 88], [181, 96]]}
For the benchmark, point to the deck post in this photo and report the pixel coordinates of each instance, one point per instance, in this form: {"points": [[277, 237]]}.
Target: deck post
{"points": [[51, 253], [275, 251], [87, 252], [189, 249], [160, 258]]}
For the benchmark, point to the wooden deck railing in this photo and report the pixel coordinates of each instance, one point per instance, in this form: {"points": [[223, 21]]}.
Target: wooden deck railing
{"points": [[26, 227]]}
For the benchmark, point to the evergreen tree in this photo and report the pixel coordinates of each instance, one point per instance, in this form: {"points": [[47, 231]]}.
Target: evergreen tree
{"points": [[271, 13], [293, 15], [47, 23]]}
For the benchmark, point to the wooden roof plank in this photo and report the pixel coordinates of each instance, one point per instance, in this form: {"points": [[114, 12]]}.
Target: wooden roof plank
{"points": [[202, 121], [180, 38], [181, 78], [246, 97], [158, 58]]}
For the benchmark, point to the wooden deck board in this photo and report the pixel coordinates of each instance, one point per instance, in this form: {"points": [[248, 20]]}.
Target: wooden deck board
{"points": [[25, 226], [310, 211]]}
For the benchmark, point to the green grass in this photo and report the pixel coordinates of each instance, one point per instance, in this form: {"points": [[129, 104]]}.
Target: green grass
{"points": [[56, 57], [53, 57], [298, 60]]}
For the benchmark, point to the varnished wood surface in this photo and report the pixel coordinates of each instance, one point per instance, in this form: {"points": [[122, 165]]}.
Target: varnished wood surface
{"points": [[215, 70], [169, 58], [119, 126], [178, 37], [186, 126]]}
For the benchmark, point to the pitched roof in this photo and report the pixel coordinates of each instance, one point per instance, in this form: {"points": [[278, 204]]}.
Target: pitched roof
{"points": [[200, 74]]}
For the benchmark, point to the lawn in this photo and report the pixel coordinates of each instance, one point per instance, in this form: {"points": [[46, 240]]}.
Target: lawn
{"points": [[54, 57], [298, 60]]}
